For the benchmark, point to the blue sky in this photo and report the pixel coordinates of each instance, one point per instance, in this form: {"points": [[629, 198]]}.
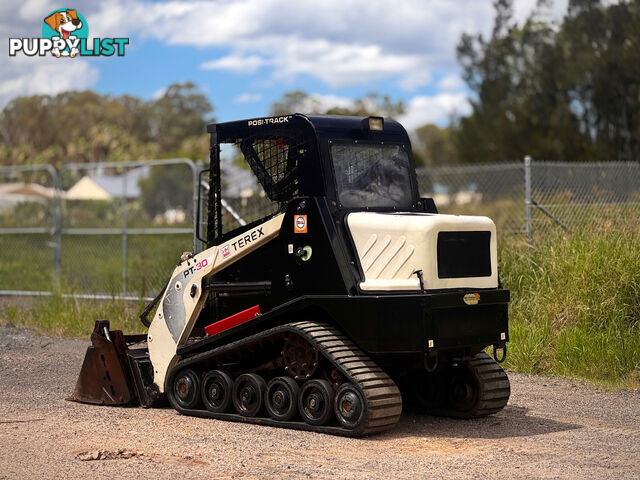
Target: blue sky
{"points": [[244, 54]]}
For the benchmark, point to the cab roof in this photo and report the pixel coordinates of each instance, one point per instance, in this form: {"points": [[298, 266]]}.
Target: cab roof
{"points": [[319, 125]]}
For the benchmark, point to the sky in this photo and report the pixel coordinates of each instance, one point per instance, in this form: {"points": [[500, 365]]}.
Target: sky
{"points": [[245, 54]]}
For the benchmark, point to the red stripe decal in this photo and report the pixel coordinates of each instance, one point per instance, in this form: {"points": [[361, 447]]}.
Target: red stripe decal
{"points": [[232, 321]]}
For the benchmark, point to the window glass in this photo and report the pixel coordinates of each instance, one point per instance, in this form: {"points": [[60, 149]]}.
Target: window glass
{"points": [[372, 175]]}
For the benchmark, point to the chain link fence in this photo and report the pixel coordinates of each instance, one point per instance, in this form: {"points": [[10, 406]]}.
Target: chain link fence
{"points": [[95, 230], [118, 229], [493, 190], [534, 197]]}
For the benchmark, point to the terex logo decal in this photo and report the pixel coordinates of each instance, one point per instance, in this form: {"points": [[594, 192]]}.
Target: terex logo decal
{"points": [[247, 239], [65, 33], [225, 251]]}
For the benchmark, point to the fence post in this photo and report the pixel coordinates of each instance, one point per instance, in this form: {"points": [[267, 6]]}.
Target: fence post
{"points": [[527, 197], [57, 225], [124, 231], [197, 247]]}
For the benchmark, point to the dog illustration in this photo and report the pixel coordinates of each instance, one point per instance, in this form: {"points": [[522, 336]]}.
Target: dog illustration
{"points": [[64, 23]]}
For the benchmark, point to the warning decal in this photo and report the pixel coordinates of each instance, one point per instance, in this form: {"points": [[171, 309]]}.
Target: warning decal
{"points": [[300, 224]]}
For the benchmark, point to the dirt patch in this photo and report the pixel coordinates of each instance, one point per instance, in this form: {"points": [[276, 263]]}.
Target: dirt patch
{"points": [[552, 428]]}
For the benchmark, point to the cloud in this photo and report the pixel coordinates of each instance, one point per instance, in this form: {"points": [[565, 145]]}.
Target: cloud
{"points": [[248, 98], [436, 109], [44, 76], [158, 93], [235, 63], [340, 42], [451, 82]]}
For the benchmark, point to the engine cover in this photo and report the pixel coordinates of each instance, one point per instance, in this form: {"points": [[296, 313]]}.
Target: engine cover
{"points": [[453, 251]]}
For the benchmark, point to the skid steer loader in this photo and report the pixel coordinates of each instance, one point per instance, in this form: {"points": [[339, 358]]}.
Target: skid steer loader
{"points": [[350, 299]]}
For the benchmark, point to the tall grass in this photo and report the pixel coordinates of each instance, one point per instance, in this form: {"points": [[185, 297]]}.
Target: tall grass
{"points": [[67, 317], [575, 307]]}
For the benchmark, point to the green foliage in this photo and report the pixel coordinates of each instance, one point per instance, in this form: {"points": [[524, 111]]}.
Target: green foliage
{"points": [[167, 187], [90, 263], [66, 317], [570, 92], [104, 128], [371, 104], [434, 145], [575, 307]]}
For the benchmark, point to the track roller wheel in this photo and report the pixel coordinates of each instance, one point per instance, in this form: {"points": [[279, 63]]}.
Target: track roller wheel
{"points": [[282, 398], [315, 402], [349, 406], [248, 394], [186, 388], [217, 388]]}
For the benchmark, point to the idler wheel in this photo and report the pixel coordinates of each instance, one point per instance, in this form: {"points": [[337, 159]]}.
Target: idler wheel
{"points": [[186, 388], [217, 388], [282, 398], [248, 394], [315, 402], [349, 406]]}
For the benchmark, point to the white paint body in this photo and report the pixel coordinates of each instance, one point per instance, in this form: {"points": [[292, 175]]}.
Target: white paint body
{"points": [[393, 246], [162, 344]]}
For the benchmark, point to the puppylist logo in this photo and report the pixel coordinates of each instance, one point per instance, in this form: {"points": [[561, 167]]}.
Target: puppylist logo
{"points": [[65, 33]]}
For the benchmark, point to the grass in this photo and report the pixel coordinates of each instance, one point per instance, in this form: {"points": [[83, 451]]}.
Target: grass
{"points": [[575, 307], [90, 263], [58, 316]]}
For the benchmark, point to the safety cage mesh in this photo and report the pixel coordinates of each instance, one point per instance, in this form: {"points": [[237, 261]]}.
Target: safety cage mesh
{"points": [[274, 161]]}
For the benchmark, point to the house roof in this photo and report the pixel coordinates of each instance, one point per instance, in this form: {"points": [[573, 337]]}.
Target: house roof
{"points": [[105, 187], [27, 190]]}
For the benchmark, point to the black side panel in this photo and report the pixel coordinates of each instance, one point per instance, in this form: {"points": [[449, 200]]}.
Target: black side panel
{"points": [[390, 324]]}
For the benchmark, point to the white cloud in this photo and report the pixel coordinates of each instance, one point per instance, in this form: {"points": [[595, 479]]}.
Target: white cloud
{"points": [[44, 76], [158, 93], [437, 109], [248, 98], [339, 42], [451, 82], [235, 63], [35, 9]]}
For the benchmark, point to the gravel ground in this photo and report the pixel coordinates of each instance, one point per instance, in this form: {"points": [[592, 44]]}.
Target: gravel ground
{"points": [[552, 428]]}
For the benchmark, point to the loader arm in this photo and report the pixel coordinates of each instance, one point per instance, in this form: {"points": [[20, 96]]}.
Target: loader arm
{"points": [[184, 297]]}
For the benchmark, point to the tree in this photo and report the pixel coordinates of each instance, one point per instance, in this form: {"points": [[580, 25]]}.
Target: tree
{"points": [[166, 187], [561, 92], [180, 113], [104, 128], [434, 145], [371, 104]]}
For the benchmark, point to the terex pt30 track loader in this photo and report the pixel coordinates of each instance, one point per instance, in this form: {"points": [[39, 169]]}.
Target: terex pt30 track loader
{"points": [[353, 296]]}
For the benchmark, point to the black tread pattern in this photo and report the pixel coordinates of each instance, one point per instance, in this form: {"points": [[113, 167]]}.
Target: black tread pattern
{"points": [[383, 401], [493, 390], [382, 396], [494, 385]]}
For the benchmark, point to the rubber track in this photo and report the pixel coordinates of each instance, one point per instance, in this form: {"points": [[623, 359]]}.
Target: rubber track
{"points": [[494, 385], [494, 389], [383, 402]]}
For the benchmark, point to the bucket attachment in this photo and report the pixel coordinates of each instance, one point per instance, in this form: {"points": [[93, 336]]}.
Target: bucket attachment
{"points": [[110, 373]]}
